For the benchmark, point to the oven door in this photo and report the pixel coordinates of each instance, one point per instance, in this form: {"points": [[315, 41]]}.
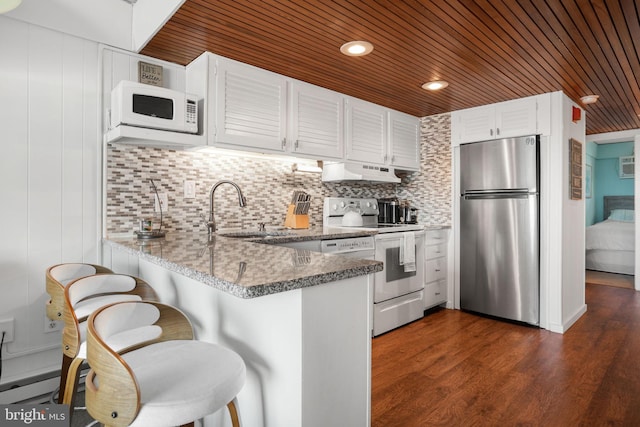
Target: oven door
{"points": [[396, 279]]}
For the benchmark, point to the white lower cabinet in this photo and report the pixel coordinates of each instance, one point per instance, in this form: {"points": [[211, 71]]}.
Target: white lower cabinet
{"points": [[435, 288]]}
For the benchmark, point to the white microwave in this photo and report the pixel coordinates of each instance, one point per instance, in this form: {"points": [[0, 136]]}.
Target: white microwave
{"points": [[146, 106]]}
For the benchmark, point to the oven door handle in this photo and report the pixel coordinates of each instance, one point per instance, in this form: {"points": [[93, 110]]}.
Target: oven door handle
{"points": [[398, 235]]}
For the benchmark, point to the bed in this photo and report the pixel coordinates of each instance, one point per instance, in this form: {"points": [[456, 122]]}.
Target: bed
{"points": [[610, 244]]}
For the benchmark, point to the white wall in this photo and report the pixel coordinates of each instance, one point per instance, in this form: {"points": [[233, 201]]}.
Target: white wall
{"points": [[113, 22], [50, 169], [573, 224], [103, 21], [564, 219], [148, 17]]}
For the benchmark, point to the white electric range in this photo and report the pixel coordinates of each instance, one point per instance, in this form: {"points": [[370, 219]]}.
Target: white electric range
{"points": [[398, 288]]}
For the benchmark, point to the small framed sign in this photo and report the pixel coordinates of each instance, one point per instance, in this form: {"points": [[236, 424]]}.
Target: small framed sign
{"points": [[150, 74], [575, 169]]}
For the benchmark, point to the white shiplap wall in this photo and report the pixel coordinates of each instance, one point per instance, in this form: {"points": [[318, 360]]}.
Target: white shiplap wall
{"points": [[50, 167]]}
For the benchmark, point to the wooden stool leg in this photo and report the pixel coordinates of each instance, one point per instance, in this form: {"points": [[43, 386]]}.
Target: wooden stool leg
{"points": [[64, 371], [233, 412], [71, 386]]}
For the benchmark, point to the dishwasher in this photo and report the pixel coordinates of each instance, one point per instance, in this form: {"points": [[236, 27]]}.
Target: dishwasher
{"points": [[362, 247]]}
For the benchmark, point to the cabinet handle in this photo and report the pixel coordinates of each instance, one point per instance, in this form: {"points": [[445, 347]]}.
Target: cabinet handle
{"points": [[385, 157], [284, 143], [490, 132], [437, 269], [296, 144], [437, 293], [393, 159], [497, 131]]}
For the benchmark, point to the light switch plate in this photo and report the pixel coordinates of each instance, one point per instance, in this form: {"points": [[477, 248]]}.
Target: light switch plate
{"points": [[163, 199], [189, 189]]}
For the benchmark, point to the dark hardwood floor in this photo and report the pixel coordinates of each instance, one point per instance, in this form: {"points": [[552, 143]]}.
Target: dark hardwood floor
{"points": [[456, 369]]}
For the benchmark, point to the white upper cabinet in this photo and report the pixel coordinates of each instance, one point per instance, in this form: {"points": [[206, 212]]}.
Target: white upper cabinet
{"points": [[404, 141], [502, 120], [251, 106], [316, 120], [378, 135], [248, 108], [366, 132]]}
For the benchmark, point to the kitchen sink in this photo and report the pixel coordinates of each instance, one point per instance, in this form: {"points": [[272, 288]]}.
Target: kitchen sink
{"points": [[254, 233]]}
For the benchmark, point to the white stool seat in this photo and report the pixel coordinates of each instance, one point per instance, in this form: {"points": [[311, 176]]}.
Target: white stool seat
{"points": [[147, 370], [82, 297], [177, 382]]}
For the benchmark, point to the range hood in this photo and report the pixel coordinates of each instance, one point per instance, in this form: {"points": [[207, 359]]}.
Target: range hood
{"points": [[348, 171]]}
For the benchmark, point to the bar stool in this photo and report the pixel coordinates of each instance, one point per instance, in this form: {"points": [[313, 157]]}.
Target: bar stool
{"points": [[146, 369], [81, 298], [57, 276]]}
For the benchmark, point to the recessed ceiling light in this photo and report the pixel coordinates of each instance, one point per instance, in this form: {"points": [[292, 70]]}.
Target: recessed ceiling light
{"points": [[7, 5], [356, 48], [435, 85], [589, 99]]}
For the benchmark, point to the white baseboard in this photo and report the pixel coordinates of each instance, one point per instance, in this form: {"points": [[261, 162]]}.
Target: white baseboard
{"points": [[37, 391]]}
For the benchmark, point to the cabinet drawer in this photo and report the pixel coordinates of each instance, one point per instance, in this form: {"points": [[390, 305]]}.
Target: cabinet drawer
{"points": [[436, 251], [436, 236], [435, 269], [395, 312], [435, 293]]}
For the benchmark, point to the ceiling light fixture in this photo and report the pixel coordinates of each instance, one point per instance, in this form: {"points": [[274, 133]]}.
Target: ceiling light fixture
{"points": [[356, 48], [435, 85], [589, 99], [7, 5]]}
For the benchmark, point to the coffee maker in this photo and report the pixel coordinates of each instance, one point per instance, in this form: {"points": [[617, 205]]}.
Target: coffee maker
{"points": [[395, 211]]}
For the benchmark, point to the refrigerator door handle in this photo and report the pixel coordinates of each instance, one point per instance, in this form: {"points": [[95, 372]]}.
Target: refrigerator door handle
{"points": [[497, 196], [515, 193]]}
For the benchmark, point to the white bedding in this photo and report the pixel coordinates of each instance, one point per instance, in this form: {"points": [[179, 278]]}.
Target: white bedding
{"points": [[611, 235]]}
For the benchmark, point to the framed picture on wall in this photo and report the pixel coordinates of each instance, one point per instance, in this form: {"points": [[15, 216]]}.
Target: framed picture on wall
{"points": [[588, 181], [575, 169]]}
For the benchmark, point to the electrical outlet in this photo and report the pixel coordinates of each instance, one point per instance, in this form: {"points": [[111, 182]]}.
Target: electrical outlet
{"points": [[163, 199], [6, 326], [52, 325], [189, 189]]}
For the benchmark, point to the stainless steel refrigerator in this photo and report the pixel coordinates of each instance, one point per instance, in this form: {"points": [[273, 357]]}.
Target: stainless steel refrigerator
{"points": [[499, 228]]}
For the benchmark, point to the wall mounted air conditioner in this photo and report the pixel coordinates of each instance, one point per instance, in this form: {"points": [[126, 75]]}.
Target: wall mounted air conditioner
{"points": [[627, 167]]}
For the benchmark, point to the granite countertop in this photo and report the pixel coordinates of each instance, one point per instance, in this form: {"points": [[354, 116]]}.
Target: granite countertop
{"points": [[248, 268]]}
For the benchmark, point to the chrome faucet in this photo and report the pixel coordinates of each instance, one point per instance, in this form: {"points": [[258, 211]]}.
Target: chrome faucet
{"points": [[211, 222]]}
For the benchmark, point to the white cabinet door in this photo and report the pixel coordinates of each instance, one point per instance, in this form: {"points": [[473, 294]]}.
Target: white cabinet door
{"points": [[502, 120], [474, 124], [251, 107], [316, 119], [366, 131], [516, 118], [404, 141]]}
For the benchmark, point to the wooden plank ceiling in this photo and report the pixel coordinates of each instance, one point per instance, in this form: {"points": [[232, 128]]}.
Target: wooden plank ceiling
{"points": [[488, 50]]}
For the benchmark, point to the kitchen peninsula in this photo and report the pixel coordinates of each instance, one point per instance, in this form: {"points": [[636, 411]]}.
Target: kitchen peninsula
{"points": [[301, 320]]}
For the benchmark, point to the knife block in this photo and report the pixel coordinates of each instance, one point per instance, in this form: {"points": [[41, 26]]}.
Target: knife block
{"points": [[296, 221]]}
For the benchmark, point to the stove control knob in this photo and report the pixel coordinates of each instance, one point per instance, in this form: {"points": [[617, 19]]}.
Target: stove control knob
{"points": [[342, 205], [368, 204], [334, 207]]}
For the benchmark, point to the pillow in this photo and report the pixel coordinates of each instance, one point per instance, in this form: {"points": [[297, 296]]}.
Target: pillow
{"points": [[625, 215]]}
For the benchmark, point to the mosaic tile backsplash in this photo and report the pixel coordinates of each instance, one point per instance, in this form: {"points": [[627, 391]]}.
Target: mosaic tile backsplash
{"points": [[267, 183]]}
